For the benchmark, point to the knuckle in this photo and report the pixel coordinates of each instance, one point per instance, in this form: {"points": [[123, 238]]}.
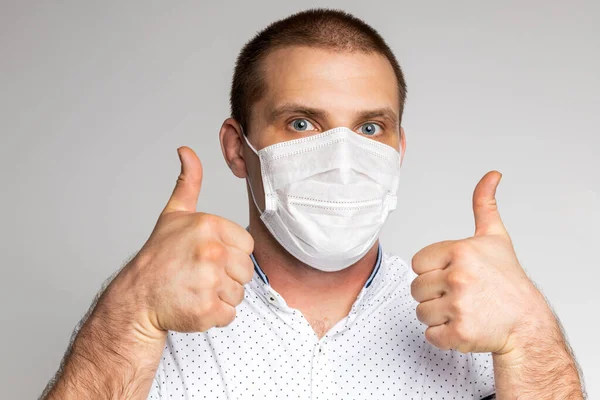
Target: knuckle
{"points": [[210, 280], [248, 243], [415, 258], [249, 271], [227, 317], [462, 249], [244, 270], [463, 334], [206, 223], [206, 308], [415, 262], [240, 295], [429, 336], [231, 316], [458, 278], [456, 307], [433, 339], [213, 251], [421, 312], [416, 287], [201, 220]]}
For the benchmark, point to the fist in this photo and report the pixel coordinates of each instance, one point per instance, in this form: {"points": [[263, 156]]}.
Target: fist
{"points": [[473, 294], [189, 275]]}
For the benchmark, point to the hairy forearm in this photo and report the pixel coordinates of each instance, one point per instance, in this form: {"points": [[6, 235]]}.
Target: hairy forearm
{"points": [[105, 366], [112, 356], [541, 366]]}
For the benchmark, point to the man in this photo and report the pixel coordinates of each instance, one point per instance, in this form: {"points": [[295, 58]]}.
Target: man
{"points": [[304, 303]]}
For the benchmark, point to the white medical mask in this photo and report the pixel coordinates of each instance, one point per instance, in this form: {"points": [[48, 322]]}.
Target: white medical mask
{"points": [[328, 195]]}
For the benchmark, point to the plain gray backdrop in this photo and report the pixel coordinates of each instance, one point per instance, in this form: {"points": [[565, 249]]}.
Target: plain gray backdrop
{"points": [[95, 97]]}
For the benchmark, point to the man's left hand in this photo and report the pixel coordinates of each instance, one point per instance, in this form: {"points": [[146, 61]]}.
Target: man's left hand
{"points": [[473, 293]]}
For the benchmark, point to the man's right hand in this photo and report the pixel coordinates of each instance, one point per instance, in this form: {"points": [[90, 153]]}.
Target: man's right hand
{"points": [[189, 275]]}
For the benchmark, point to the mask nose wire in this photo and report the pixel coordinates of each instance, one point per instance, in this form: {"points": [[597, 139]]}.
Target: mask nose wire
{"points": [[247, 175]]}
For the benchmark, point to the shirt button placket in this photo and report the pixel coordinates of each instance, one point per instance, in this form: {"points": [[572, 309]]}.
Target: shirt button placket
{"points": [[321, 374]]}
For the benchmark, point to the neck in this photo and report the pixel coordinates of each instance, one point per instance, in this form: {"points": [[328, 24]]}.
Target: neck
{"points": [[320, 296]]}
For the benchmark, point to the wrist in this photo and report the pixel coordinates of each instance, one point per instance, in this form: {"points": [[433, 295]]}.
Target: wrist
{"points": [[125, 305], [537, 330], [539, 363]]}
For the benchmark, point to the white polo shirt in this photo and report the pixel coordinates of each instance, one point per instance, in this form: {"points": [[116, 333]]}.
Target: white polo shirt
{"points": [[270, 351]]}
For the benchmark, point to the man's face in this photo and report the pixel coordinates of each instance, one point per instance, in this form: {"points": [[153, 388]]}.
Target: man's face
{"points": [[311, 90]]}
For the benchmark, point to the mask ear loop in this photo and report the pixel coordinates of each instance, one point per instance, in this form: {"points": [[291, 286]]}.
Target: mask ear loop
{"points": [[247, 142], [248, 180]]}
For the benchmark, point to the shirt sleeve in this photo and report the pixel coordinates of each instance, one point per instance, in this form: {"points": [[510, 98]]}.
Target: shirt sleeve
{"points": [[156, 389], [482, 375]]}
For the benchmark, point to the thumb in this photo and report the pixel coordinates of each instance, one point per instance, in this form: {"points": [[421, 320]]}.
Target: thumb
{"points": [[187, 189], [485, 208]]}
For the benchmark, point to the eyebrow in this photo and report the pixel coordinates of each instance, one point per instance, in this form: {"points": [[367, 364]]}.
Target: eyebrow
{"points": [[294, 108], [385, 113]]}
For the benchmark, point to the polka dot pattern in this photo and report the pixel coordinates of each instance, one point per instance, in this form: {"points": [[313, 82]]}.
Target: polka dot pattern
{"points": [[271, 352]]}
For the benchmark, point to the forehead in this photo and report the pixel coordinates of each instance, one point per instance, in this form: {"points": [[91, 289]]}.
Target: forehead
{"points": [[333, 80]]}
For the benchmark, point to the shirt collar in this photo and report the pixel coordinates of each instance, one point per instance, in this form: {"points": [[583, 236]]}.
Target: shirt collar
{"points": [[265, 278]]}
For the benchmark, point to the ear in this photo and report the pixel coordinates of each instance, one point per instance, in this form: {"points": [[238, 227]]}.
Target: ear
{"points": [[402, 144], [231, 146]]}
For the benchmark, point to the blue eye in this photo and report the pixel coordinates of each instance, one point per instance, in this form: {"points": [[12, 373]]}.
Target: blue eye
{"points": [[370, 129], [302, 124]]}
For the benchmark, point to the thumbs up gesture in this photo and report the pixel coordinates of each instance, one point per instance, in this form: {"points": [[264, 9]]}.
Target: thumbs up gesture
{"points": [[473, 294], [189, 275]]}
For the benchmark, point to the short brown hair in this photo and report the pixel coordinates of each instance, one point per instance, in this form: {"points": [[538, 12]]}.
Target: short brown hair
{"points": [[321, 27]]}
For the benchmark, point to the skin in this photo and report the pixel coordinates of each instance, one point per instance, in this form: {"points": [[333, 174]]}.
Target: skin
{"points": [[189, 276]]}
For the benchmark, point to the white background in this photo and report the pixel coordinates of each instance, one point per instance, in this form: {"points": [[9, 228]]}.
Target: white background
{"points": [[95, 97]]}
